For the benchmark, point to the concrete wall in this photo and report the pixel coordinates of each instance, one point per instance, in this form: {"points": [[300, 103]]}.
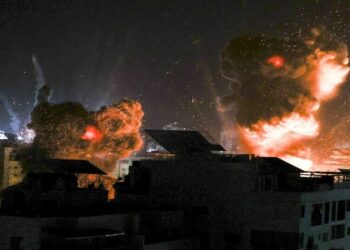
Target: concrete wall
{"points": [[229, 191]]}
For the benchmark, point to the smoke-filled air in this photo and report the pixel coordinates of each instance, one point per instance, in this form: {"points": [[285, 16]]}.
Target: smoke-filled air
{"points": [[280, 87], [67, 130]]}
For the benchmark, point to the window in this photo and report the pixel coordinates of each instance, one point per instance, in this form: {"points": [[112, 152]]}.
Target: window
{"points": [[301, 240], [348, 205], [310, 242], [341, 210], [15, 243], [316, 215], [325, 236], [334, 210], [326, 213], [13, 156], [348, 230], [302, 211], [338, 231]]}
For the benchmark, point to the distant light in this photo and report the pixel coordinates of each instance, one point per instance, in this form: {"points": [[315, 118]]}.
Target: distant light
{"points": [[26, 135], [2, 135]]}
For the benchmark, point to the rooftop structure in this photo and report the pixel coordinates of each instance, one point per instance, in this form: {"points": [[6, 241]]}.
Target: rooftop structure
{"points": [[72, 166], [180, 143], [251, 202]]}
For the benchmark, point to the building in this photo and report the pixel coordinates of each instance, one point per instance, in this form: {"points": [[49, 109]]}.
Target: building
{"points": [[62, 208], [244, 201], [11, 171]]}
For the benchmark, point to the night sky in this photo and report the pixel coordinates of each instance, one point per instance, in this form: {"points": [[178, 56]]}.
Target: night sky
{"points": [[163, 53]]}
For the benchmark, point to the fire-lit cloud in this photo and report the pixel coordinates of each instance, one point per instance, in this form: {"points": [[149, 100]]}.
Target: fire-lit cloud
{"points": [[286, 91], [68, 130]]}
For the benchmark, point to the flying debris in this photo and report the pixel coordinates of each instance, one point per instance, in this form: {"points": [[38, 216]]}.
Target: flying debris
{"points": [[69, 131]]}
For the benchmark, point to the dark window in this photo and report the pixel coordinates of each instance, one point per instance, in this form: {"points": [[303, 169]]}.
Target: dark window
{"points": [[334, 210], [338, 231], [301, 240], [16, 243], [348, 205], [348, 230], [341, 210], [302, 211], [13, 157], [326, 212], [325, 236], [333, 233], [310, 242], [316, 215]]}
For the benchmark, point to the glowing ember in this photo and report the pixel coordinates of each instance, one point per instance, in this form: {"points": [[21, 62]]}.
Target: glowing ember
{"points": [[276, 61], [92, 134]]}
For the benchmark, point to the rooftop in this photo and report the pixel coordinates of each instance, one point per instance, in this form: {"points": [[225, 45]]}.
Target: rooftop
{"points": [[183, 142], [72, 166]]}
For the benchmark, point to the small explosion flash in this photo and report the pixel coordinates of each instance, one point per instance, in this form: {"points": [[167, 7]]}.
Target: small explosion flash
{"points": [[92, 134], [276, 61]]}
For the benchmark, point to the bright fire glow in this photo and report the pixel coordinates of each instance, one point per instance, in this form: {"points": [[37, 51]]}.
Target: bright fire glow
{"points": [[287, 136], [280, 135], [92, 134], [330, 75], [276, 61]]}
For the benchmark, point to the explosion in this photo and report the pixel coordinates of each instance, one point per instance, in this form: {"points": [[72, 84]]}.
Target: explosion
{"points": [[91, 134], [295, 86], [69, 131]]}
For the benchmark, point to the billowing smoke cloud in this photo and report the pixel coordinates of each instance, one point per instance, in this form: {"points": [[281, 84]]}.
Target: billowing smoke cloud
{"points": [[68, 130], [279, 85], [260, 94], [42, 91], [15, 122]]}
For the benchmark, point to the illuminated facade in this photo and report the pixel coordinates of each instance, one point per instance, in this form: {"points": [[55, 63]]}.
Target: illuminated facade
{"points": [[11, 171]]}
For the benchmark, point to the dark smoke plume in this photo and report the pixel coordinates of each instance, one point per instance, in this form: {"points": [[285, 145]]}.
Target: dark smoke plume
{"points": [[260, 89], [68, 130]]}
